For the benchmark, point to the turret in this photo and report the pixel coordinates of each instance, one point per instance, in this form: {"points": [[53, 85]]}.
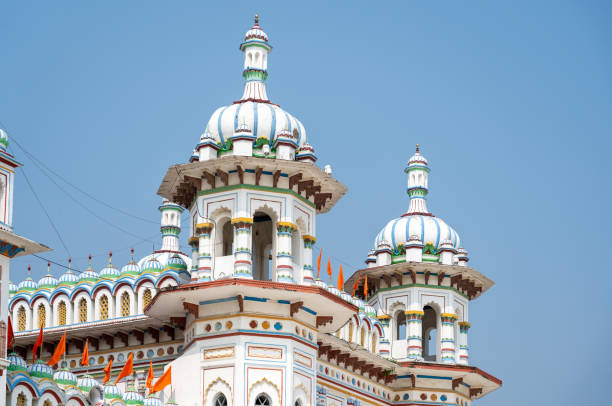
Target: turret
{"points": [[243, 140], [170, 225], [256, 50], [207, 148], [383, 253], [418, 172]]}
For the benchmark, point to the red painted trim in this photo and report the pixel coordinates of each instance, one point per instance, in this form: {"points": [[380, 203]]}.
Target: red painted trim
{"points": [[461, 368], [77, 399], [288, 337], [57, 398], [27, 385]]}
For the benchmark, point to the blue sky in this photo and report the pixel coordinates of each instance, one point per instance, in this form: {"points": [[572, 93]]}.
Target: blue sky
{"points": [[510, 103]]}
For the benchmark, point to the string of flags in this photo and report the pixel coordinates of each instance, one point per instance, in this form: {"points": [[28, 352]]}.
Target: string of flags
{"points": [[126, 371], [340, 280]]}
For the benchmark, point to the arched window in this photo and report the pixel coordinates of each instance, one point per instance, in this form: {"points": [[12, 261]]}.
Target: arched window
{"points": [[220, 400], [21, 319], [430, 327], [83, 310], [400, 325], [61, 314], [21, 400], [47, 403], [262, 241], [350, 337], [125, 304], [103, 307], [374, 343], [362, 338], [147, 296], [228, 238], [262, 400], [298, 403], [42, 316]]}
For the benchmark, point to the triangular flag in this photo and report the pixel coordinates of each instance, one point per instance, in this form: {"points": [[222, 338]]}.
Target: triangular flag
{"points": [[329, 270], [340, 282], [127, 368], [150, 376], [163, 381], [85, 357], [319, 263], [59, 351], [10, 337], [107, 371], [365, 288], [37, 344], [356, 284]]}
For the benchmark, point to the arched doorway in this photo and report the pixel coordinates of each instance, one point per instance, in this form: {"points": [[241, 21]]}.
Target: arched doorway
{"points": [[262, 235]]}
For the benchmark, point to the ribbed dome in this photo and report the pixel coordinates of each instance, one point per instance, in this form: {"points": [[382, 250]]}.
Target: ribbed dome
{"points": [[65, 377], [88, 275], [48, 281], [27, 284], [112, 392], [256, 33], [131, 397], [40, 370], [109, 272], [69, 278], [428, 229], [130, 269], [86, 382], [16, 363], [152, 265], [153, 400], [176, 263]]}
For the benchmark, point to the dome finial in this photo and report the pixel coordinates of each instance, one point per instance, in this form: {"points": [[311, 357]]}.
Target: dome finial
{"points": [[110, 257], [132, 253], [48, 268], [90, 260], [256, 19], [29, 270], [417, 148]]}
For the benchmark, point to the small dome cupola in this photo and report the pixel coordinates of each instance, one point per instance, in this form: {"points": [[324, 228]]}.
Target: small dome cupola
{"points": [[112, 392], [131, 268], [65, 377], [109, 272], [27, 285], [68, 278], [242, 140], [207, 147], [48, 281], [286, 142], [418, 172], [170, 225], [152, 266], [256, 50], [86, 382], [88, 275]]}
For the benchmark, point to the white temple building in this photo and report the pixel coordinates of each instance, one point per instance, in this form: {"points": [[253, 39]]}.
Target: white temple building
{"points": [[242, 318]]}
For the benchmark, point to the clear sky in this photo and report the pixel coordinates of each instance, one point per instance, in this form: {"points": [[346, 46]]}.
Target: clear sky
{"points": [[510, 103]]}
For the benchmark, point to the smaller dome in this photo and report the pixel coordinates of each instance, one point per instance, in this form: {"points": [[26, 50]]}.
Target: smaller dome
{"points": [[131, 268], [88, 275], [69, 278], [109, 272], [131, 397], [153, 400], [111, 391], [3, 140], [86, 382], [48, 281], [152, 265], [65, 377], [16, 363], [40, 370], [176, 263], [194, 157], [256, 34], [12, 288], [417, 159], [369, 311], [27, 284]]}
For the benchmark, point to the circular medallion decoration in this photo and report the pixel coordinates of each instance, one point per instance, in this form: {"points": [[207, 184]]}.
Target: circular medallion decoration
{"points": [[140, 355], [253, 323], [150, 354], [63, 364], [310, 336], [179, 349], [160, 352], [100, 360], [433, 396], [278, 326], [265, 325], [423, 396], [326, 371], [170, 350], [353, 381], [72, 364], [207, 328], [303, 333], [111, 357], [92, 361], [297, 330], [120, 357], [443, 398], [228, 325], [396, 398], [405, 396], [218, 326]]}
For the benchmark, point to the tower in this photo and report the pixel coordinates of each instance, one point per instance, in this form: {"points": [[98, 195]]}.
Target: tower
{"points": [[170, 225]]}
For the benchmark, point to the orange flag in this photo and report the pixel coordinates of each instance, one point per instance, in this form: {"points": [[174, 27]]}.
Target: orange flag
{"points": [[10, 337], [356, 284], [107, 371], [163, 381], [127, 368], [59, 351], [365, 288], [150, 376], [37, 344], [340, 282], [85, 357], [319, 263], [329, 270]]}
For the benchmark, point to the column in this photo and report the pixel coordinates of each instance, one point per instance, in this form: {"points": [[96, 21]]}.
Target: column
{"points": [[384, 345], [242, 247], [194, 242], [205, 258], [464, 326], [414, 324], [309, 241], [447, 337], [284, 258]]}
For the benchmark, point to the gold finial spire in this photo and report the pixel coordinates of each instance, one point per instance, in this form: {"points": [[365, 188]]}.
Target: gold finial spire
{"points": [[417, 148], [256, 19]]}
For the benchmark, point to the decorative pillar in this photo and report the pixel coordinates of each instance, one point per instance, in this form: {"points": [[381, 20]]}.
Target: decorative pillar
{"points": [[464, 326], [384, 346], [447, 337], [309, 241], [414, 321], [204, 251], [194, 242], [242, 247], [284, 257]]}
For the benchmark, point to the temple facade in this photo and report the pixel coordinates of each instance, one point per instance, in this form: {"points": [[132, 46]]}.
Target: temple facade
{"points": [[243, 319]]}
